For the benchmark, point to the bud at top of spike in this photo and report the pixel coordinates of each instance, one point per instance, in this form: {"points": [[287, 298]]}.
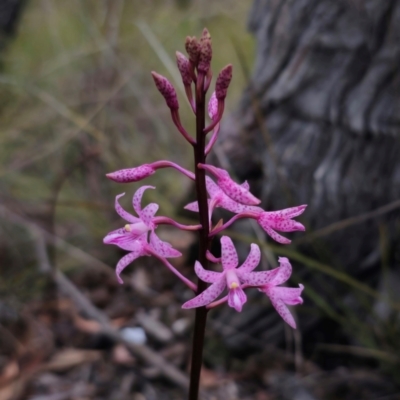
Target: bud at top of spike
{"points": [[223, 80], [205, 52], [183, 66], [165, 87], [131, 174], [192, 47]]}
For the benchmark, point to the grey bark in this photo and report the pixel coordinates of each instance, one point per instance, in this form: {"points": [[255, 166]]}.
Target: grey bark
{"points": [[319, 124]]}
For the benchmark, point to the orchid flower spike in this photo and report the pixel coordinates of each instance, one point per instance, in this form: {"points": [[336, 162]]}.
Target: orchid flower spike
{"points": [[239, 193], [133, 236], [280, 296]]}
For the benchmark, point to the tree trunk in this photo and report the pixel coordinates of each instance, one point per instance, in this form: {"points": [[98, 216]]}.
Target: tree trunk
{"points": [[319, 124]]}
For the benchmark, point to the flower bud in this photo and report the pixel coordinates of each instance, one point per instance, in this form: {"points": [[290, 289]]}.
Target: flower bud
{"points": [[131, 174], [183, 66], [223, 80], [205, 52], [165, 87], [192, 47]]}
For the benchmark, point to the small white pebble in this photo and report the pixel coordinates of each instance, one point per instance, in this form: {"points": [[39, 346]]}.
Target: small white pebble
{"points": [[134, 335], [180, 325]]}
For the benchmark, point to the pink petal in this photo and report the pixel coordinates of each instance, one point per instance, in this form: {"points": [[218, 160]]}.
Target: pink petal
{"points": [[282, 310], [289, 212], [276, 236], [231, 188], [212, 187], [237, 192], [213, 107], [259, 278], [192, 206], [123, 239], [252, 260], [131, 174], [236, 298], [229, 257], [206, 297], [291, 296], [279, 223], [283, 271], [163, 249], [245, 185], [137, 251], [122, 213], [147, 214], [137, 198], [287, 225], [206, 275], [233, 206]]}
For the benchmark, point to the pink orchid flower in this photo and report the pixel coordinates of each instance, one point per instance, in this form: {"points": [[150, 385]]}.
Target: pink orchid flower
{"points": [[232, 277], [280, 296], [133, 236], [218, 198], [281, 221], [239, 193]]}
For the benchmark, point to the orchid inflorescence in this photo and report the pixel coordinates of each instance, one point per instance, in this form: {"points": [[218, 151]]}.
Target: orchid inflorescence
{"points": [[138, 236]]}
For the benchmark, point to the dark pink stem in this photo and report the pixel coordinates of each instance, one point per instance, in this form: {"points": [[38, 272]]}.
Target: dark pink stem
{"points": [[213, 139], [181, 129], [167, 164], [247, 214], [186, 281], [169, 221]]}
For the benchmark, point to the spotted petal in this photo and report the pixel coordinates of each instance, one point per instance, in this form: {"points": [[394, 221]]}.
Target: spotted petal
{"points": [[235, 191], [123, 238], [275, 235], [229, 257], [289, 212], [137, 198], [137, 250], [280, 224], [259, 278], [284, 271], [206, 297], [163, 249], [122, 213], [291, 296], [205, 275], [252, 260], [281, 308], [147, 214]]}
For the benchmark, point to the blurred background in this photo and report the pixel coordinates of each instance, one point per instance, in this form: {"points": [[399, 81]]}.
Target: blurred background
{"points": [[312, 117]]}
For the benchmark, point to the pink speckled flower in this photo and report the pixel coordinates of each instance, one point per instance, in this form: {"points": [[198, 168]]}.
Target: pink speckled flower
{"points": [[232, 277], [282, 221], [218, 198], [280, 296], [133, 236], [239, 193]]}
